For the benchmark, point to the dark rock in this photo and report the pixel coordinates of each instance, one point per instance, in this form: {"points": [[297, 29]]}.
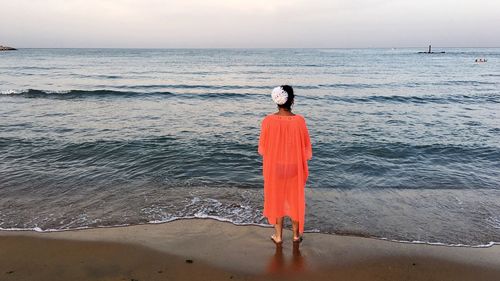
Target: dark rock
{"points": [[5, 48], [189, 261]]}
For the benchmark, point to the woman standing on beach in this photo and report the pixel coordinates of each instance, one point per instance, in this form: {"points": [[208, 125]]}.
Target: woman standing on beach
{"points": [[285, 147]]}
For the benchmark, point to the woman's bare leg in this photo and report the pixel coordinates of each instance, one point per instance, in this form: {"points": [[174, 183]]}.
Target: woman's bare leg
{"points": [[295, 227], [278, 228]]}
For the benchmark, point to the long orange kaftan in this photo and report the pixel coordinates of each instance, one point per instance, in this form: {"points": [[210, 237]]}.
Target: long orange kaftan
{"points": [[285, 146]]}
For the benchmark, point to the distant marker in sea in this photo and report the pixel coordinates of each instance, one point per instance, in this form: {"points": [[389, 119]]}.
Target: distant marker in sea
{"points": [[430, 51]]}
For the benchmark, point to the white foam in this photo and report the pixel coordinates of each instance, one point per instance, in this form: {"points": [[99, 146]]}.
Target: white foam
{"points": [[493, 222], [38, 229], [202, 216], [439, 243], [10, 92], [18, 92]]}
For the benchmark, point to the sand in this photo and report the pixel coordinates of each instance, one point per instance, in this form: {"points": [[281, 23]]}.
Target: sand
{"points": [[206, 249]]}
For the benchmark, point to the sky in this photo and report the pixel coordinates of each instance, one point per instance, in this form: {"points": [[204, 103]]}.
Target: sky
{"points": [[249, 23]]}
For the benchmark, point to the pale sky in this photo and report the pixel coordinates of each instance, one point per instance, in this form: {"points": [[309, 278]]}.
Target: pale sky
{"points": [[249, 23]]}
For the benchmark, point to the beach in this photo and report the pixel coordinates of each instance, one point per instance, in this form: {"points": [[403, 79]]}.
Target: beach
{"points": [[206, 249]]}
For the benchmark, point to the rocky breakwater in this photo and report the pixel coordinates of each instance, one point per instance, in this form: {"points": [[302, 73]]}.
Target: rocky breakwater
{"points": [[5, 48]]}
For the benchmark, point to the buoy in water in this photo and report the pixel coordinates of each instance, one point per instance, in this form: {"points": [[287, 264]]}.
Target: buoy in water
{"points": [[430, 51]]}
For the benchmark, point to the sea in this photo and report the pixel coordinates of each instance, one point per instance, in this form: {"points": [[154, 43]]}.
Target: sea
{"points": [[406, 146]]}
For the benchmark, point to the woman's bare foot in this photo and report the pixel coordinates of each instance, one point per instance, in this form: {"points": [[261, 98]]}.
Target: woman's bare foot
{"points": [[276, 240], [297, 238]]}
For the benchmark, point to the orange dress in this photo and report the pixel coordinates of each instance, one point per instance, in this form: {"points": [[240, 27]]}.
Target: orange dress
{"points": [[285, 146]]}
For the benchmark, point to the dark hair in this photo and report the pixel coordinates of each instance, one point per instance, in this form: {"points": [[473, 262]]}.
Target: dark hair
{"points": [[289, 102]]}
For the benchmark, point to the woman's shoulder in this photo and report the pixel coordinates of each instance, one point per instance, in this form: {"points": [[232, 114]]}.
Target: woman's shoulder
{"points": [[300, 116], [302, 120], [274, 117]]}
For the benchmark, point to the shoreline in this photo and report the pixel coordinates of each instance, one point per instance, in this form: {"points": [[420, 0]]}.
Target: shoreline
{"points": [[264, 226], [197, 248]]}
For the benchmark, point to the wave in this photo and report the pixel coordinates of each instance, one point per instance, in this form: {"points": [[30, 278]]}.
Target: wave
{"points": [[407, 84], [412, 99], [199, 86], [424, 99], [220, 163], [31, 93], [466, 82]]}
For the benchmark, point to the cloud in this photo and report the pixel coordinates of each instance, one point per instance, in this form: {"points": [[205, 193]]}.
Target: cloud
{"points": [[243, 23]]}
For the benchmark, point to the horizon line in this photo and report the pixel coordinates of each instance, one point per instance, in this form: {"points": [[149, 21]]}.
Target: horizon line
{"points": [[160, 48]]}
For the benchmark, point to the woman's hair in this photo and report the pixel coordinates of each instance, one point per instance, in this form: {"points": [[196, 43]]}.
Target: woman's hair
{"points": [[289, 102]]}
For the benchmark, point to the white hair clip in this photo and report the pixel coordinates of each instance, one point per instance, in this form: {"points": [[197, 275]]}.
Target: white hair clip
{"points": [[279, 95]]}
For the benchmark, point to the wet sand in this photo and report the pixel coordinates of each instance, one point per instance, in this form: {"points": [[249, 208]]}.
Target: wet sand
{"points": [[205, 249]]}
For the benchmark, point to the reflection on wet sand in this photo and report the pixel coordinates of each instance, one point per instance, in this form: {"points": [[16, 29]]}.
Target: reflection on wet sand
{"points": [[279, 265]]}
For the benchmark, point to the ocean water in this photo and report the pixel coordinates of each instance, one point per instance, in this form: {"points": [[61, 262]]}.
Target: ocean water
{"points": [[406, 146]]}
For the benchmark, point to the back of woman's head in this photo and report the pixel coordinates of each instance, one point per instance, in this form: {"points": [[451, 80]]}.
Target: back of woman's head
{"points": [[289, 102]]}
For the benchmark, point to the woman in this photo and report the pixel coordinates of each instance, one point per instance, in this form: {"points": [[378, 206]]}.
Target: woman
{"points": [[285, 147]]}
